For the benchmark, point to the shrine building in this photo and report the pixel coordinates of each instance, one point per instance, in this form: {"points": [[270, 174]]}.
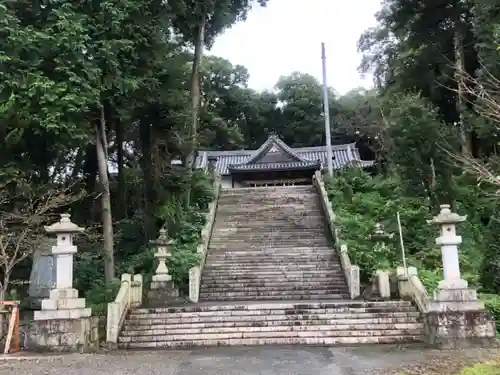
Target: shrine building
{"points": [[277, 164]]}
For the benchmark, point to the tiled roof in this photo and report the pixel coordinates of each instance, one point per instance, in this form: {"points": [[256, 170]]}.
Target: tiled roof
{"points": [[343, 155], [274, 166]]}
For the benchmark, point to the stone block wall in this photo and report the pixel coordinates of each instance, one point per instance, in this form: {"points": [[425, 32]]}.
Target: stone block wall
{"points": [[63, 335]]}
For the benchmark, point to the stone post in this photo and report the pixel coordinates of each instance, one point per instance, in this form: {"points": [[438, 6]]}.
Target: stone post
{"points": [[163, 289], [382, 280], [63, 301], [456, 317], [63, 323]]}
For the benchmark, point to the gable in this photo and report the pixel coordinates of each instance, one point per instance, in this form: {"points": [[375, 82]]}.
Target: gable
{"points": [[275, 154], [274, 150]]}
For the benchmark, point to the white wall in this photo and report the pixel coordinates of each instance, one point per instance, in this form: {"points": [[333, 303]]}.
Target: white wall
{"points": [[227, 183]]}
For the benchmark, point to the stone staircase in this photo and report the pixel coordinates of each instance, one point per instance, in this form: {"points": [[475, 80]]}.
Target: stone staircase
{"points": [[272, 277], [271, 244], [318, 323]]}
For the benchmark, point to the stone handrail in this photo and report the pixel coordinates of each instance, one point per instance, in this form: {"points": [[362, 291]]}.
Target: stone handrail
{"points": [[410, 286], [206, 233], [351, 271], [129, 296]]}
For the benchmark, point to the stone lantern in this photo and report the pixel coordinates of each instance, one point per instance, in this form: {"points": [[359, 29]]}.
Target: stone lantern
{"points": [[162, 253], [449, 241], [163, 290], [63, 301], [456, 318]]}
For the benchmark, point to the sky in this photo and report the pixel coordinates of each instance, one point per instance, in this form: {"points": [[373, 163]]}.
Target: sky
{"points": [[286, 36]]}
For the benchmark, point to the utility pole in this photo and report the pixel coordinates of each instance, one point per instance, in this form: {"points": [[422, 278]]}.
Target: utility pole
{"points": [[326, 114]]}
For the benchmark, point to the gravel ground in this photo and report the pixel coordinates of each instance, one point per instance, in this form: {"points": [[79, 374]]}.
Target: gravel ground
{"points": [[268, 360]]}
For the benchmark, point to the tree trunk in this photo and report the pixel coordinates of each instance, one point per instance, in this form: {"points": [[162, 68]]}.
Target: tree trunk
{"points": [[122, 188], [149, 184], [458, 40], [195, 104], [3, 296], [107, 219]]}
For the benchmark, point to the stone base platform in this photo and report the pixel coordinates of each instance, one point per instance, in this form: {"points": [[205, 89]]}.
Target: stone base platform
{"points": [[63, 335]]}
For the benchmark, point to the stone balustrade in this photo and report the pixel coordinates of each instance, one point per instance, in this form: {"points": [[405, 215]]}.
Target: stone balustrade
{"points": [[411, 287], [129, 296], [206, 232], [351, 271]]}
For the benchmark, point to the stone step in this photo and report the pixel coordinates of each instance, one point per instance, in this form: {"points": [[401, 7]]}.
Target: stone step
{"points": [[264, 253], [262, 202], [269, 227], [220, 275], [276, 194], [270, 260], [254, 191], [272, 199], [250, 280], [249, 212], [270, 291], [249, 317], [267, 243], [268, 236], [269, 230], [298, 251], [338, 287], [288, 331], [274, 268], [257, 239], [262, 209], [355, 306], [270, 221], [282, 278], [279, 252], [242, 297], [299, 189], [265, 279], [313, 340], [271, 320], [414, 328], [289, 334], [211, 288], [210, 280]]}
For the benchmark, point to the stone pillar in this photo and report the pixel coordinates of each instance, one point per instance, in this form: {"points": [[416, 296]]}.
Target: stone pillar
{"points": [[456, 317], [63, 323], [63, 301], [163, 290]]}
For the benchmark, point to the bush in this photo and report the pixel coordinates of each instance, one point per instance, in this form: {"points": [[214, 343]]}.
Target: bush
{"points": [[361, 200], [492, 303]]}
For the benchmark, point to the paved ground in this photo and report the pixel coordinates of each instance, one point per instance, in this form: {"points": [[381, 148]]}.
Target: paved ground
{"points": [[250, 361]]}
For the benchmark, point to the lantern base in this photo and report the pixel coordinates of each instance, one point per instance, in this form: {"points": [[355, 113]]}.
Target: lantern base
{"points": [[455, 296], [457, 319], [164, 293], [63, 304], [460, 329]]}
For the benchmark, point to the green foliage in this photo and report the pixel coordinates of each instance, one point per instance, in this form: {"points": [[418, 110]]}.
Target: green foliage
{"points": [[492, 303], [361, 200], [100, 295]]}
